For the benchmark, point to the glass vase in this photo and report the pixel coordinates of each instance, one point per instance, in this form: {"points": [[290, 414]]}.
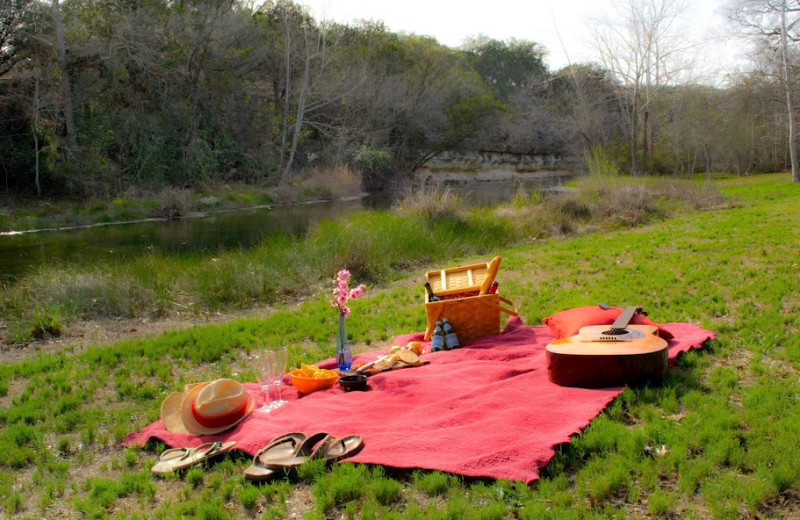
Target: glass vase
{"points": [[344, 358]]}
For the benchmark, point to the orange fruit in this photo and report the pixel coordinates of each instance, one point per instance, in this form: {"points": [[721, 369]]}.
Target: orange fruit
{"points": [[415, 347]]}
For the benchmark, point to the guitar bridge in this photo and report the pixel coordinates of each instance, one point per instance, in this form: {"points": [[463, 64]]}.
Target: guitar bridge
{"points": [[615, 334]]}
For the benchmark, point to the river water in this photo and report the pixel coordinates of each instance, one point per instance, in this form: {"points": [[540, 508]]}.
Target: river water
{"points": [[25, 252]]}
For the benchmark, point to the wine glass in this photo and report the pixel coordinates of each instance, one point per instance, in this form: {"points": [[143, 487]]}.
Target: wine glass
{"points": [[280, 360], [265, 370]]}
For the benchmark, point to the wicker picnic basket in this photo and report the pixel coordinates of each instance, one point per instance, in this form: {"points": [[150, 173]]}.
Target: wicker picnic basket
{"points": [[472, 311]]}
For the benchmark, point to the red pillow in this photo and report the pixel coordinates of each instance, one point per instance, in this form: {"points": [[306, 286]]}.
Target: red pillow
{"points": [[567, 323]]}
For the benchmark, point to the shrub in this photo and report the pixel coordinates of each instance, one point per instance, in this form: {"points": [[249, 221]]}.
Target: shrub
{"points": [[173, 203], [330, 183], [47, 321], [599, 162], [372, 161], [375, 167], [431, 204]]}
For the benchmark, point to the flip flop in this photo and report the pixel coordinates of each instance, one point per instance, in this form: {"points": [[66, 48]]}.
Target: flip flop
{"points": [[339, 449], [320, 445], [176, 459], [280, 447], [311, 448]]}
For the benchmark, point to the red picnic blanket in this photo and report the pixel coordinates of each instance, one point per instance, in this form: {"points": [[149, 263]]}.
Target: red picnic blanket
{"points": [[484, 410]]}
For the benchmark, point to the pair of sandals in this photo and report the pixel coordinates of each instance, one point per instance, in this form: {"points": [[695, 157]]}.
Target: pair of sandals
{"points": [[177, 459], [294, 449]]}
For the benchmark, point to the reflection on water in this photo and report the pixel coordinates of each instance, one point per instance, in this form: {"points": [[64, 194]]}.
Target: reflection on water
{"points": [[209, 235]]}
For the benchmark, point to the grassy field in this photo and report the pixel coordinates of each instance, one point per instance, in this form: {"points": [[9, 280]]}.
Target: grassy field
{"points": [[717, 440]]}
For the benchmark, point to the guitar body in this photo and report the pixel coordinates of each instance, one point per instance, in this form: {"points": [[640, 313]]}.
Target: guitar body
{"points": [[591, 360]]}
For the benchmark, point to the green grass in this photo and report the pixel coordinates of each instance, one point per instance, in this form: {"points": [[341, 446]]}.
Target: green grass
{"points": [[717, 440]]}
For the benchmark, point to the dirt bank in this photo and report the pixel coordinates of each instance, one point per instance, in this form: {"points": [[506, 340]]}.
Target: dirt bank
{"points": [[80, 335]]}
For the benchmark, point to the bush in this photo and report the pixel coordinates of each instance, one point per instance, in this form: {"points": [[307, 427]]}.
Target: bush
{"points": [[330, 183], [47, 321], [599, 162], [173, 203], [431, 204], [375, 167]]}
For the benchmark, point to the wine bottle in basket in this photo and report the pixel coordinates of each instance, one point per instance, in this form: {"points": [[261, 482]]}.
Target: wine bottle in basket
{"points": [[431, 296]]}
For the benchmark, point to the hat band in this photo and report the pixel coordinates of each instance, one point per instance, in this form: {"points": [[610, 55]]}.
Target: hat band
{"points": [[219, 420]]}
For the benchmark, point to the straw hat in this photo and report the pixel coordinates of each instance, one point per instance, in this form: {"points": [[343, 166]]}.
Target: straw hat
{"points": [[206, 408]]}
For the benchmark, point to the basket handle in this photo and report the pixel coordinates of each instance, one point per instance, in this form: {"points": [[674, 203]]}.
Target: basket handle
{"points": [[513, 311]]}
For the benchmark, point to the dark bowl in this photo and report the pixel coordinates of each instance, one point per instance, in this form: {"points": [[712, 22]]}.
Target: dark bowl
{"points": [[353, 382]]}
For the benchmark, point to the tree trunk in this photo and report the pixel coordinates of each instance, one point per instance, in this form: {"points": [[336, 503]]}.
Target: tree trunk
{"points": [[286, 96], [645, 141], [301, 113], [635, 133], [66, 87], [787, 73], [35, 130]]}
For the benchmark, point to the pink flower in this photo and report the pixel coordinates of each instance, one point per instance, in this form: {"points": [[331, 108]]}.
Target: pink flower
{"points": [[342, 292], [357, 292]]}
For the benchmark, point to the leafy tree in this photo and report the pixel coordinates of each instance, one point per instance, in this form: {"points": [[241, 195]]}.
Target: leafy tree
{"points": [[295, 44], [188, 92], [12, 16], [508, 66]]}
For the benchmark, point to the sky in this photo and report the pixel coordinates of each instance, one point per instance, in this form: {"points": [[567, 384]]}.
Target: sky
{"points": [[563, 27]]}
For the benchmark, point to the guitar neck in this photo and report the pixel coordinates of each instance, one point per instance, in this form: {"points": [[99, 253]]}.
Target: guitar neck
{"points": [[625, 318]]}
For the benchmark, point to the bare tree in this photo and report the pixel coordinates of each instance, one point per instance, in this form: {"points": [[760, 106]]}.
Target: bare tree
{"points": [[640, 47], [585, 97], [66, 86], [776, 22]]}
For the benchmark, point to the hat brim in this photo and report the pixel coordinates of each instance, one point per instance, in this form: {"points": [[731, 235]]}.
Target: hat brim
{"points": [[171, 409], [195, 428], [171, 413]]}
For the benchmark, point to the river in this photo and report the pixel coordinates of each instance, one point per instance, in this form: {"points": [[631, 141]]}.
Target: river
{"points": [[26, 252]]}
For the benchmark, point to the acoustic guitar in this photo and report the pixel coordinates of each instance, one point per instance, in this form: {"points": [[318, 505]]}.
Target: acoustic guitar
{"points": [[603, 356]]}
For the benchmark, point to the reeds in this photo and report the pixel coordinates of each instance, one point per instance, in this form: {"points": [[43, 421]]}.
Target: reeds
{"points": [[425, 227]]}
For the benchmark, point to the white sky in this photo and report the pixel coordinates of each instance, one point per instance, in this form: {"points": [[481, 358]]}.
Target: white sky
{"points": [[561, 26]]}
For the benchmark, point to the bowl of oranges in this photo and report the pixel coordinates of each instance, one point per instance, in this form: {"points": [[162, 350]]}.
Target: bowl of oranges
{"points": [[309, 378]]}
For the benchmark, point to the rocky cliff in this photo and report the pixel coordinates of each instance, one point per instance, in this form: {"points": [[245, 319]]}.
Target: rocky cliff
{"points": [[454, 167]]}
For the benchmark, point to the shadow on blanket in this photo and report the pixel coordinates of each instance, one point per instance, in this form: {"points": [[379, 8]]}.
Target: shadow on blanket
{"points": [[485, 410]]}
